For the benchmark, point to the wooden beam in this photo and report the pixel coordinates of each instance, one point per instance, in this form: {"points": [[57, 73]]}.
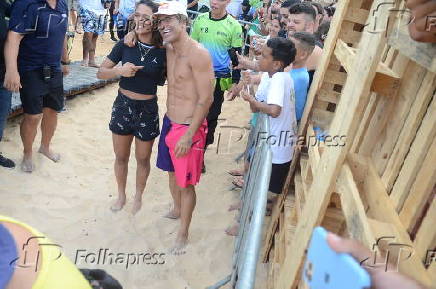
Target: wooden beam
{"points": [[355, 96], [382, 209], [356, 15], [353, 209], [299, 194], [421, 189], [411, 163], [402, 103], [386, 82], [426, 236]]}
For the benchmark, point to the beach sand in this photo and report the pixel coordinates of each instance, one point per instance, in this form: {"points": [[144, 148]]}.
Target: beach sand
{"points": [[69, 201]]}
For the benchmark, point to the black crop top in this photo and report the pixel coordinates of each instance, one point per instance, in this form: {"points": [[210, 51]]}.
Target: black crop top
{"points": [[148, 78]]}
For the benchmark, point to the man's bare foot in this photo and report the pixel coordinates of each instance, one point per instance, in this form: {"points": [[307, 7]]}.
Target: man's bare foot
{"points": [[233, 230], [84, 63], [119, 204], [172, 214], [235, 206], [49, 154], [137, 204], [180, 246], [27, 165], [93, 64]]}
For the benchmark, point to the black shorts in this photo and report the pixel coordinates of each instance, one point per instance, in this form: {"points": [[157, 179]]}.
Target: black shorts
{"points": [[36, 93], [139, 118], [279, 172]]}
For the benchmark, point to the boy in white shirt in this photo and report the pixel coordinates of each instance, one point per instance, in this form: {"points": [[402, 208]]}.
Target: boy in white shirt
{"points": [[275, 97]]}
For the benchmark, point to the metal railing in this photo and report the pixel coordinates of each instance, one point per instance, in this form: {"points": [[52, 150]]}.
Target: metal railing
{"points": [[254, 199]]}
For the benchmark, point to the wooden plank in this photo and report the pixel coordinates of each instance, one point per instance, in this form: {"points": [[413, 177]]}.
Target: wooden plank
{"points": [[328, 95], [353, 209], [419, 109], [312, 150], [426, 236], [322, 118], [412, 162], [421, 189], [384, 108], [350, 36], [421, 53], [386, 82], [402, 105], [345, 54], [382, 209], [335, 77], [299, 194], [366, 121], [432, 271], [349, 112], [356, 15]]}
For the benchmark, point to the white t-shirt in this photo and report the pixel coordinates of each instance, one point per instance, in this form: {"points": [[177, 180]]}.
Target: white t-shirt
{"points": [[279, 90], [93, 5]]}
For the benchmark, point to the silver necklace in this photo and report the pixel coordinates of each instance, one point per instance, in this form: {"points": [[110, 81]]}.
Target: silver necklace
{"points": [[144, 50]]}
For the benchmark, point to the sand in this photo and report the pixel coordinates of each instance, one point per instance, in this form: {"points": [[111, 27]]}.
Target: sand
{"points": [[69, 201]]}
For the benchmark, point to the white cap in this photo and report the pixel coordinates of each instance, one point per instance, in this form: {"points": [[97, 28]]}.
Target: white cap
{"points": [[171, 8]]}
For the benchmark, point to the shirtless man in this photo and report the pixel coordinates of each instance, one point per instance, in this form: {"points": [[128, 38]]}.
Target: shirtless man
{"points": [[190, 93]]}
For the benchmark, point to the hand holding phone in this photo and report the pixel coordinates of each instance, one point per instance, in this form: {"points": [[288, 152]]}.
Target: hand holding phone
{"points": [[326, 269]]}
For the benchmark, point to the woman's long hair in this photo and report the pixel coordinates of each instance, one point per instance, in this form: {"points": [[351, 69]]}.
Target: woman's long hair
{"points": [[156, 37]]}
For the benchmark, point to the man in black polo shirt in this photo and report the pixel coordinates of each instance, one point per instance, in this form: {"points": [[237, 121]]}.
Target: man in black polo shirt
{"points": [[5, 95], [33, 53]]}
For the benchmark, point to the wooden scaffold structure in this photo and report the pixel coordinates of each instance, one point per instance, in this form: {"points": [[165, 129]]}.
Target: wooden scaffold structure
{"points": [[375, 88]]}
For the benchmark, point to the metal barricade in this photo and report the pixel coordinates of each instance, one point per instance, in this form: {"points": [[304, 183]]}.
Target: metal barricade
{"points": [[254, 199]]}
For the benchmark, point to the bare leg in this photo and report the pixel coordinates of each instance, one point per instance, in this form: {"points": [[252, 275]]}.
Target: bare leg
{"points": [[48, 127], [92, 51], [122, 145], [87, 44], [175, 193], [188, 201], [28, 132], [142, 153]]}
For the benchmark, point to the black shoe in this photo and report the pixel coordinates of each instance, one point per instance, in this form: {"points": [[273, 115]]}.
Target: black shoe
{"points": [[114, 39], [7, 163]]}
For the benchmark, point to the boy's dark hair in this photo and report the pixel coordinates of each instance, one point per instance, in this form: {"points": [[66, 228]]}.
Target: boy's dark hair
{"points": [[282, 50], [306, 39], [303, 8], [323, 30], [318, 6], [289, 3], [330, 10], [100, 279]]}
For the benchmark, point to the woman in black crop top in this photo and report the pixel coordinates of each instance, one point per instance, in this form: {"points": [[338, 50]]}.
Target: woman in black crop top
{"points": [[135, 111]]}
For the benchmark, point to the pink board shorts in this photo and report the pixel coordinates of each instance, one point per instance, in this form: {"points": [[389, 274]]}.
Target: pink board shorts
{"points": [[188, 168]]}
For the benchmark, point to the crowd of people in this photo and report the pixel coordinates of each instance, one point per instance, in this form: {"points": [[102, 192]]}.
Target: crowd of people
{"points": [[268, 60]]}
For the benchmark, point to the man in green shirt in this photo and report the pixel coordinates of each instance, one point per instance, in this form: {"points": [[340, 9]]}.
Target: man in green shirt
{"points": [[222, 36]]}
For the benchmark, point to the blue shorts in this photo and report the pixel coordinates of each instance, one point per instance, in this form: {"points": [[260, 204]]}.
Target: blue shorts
{"points": [[92, 22], [164, 161]]}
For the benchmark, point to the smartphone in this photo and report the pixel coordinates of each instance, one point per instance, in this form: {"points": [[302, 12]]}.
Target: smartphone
{"points": [[326, 269]]}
